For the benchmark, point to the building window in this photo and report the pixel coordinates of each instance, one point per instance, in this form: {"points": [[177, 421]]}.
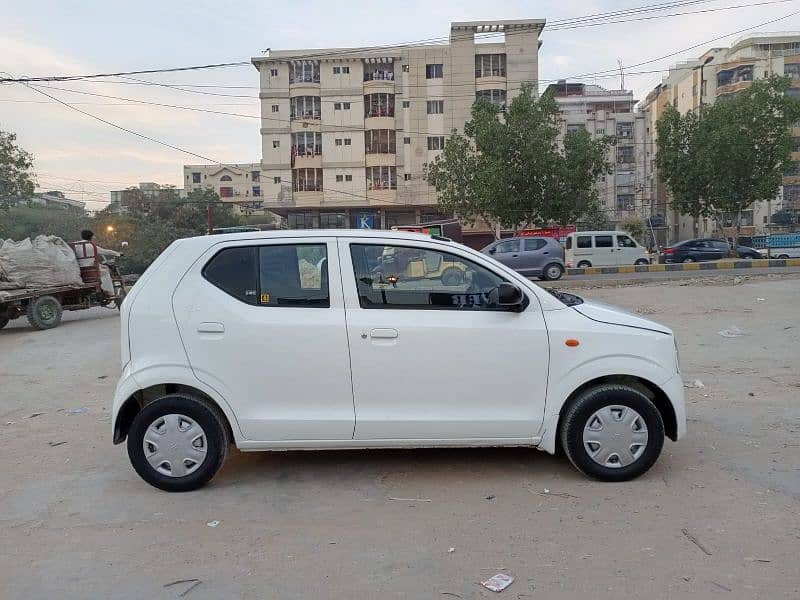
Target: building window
{"points": [[348, 178], [276, 143], [600, 131], [737, 75], [337, 70], [301, 220], [339, 178], [275, 108], [496, 97], [345, 70], [195, 177], [407, 176], [273, 72], [338, 141], [626, 202], [304, 71], [381, 178], [276, 179], [225, 178], [624, 155], [434, 71], [305, 107], [379, 141], [345, 106], [307, 180], [575, 127], [435, 107], [379, 105], [379, 72], [255, 176], [348, 141], [256, 190], [337, 106], [435, 142], [406, 140], [792, 71], [406, 103], [226, 192], [490, 65], [405, 68], [625, 131], [333, 220], [306, 143]]}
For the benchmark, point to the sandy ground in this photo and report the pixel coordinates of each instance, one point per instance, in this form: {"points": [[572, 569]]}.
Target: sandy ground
{"points": [[77, 522]]}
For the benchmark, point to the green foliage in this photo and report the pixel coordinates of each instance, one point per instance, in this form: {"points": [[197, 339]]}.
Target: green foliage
{"points": [[20, 222], [514, 169], [16, 176], [595, 219], [635, 226], [733, 154]]}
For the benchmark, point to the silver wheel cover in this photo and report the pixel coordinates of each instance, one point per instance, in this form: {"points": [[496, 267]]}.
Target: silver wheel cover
{"points": [[615, 436], [175, 445]]}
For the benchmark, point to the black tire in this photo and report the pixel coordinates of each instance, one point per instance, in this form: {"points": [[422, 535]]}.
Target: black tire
{"points": [[783, 257], [557, 272], [688, 259], [45, 312], [642, 261], [208, 416], [577, 415], [584, 264], [4, 321], [452, 276]]}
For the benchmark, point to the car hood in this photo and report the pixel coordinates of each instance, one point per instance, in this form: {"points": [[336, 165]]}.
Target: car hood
{"points": [[605, 313]]}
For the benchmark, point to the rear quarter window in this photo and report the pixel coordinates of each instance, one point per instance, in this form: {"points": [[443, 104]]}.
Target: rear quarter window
{"points": [[234, 271], [534, 244]]}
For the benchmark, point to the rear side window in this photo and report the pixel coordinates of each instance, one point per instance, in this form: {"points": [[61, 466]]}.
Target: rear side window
{"points": [[720, 245], [584, 241], [534, 244], [603, 241], [234, 271], [279, 275]]}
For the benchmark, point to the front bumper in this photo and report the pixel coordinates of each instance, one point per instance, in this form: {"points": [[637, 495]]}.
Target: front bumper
{"points": [[673, 388]]}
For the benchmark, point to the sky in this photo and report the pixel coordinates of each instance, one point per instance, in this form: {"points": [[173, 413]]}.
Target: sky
{"points": [[86, 158]]}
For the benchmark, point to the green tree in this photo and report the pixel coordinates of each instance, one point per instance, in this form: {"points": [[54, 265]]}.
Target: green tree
{"points": [[16, 175], [635, 226], [595, 219], [514, 169], [731, 155], [19, 222]]}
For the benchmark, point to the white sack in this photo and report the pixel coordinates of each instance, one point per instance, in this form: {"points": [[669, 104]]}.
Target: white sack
{"points": [[47, 261]]}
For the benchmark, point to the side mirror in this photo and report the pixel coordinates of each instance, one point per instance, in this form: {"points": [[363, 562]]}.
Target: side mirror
{"points": [[508, 295], [492, 250]]}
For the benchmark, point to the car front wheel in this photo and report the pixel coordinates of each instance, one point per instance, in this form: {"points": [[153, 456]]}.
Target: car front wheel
{"points": [[688, 259], [178, 443], [612, 432]]}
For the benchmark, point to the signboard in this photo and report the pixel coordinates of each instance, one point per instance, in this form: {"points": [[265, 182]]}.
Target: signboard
{"points": [[365, 221], [559, 233]]}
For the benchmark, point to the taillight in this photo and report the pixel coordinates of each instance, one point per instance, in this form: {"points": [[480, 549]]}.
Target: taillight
{"points": [[669, 250]]}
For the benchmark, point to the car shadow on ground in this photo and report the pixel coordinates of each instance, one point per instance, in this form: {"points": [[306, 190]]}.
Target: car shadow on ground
{"points": [[347, 468]]}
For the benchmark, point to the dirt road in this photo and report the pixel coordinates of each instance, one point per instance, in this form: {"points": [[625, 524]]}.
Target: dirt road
{"points": [[77, 522]]}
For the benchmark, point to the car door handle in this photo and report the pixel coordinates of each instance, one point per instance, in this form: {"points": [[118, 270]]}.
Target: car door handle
{"points": [[383, 334], [514, 255], [545, 252], [211, 327]]}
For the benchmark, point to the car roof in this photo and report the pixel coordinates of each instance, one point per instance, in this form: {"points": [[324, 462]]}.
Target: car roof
{"points": [[318, 233], [605, 232]]}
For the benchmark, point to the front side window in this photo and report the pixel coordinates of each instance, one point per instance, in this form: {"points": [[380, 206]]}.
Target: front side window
{"points": [[623, 241], [508, 246], [419, 278], [293, 275]]}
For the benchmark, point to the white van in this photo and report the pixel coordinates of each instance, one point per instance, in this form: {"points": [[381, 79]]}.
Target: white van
{"points": [[603, 249], [314, 339]]}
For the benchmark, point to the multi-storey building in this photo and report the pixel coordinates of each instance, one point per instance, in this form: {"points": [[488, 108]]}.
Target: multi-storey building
{"points": [[241, 184], [717, 74], [602, 113], [347, 133]]}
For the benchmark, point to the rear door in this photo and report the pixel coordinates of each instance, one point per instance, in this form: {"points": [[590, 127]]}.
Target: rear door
{"points": [[627, 250], [535, 254], [263, 323]]}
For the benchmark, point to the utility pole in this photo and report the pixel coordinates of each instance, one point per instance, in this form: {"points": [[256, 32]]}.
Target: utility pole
{"points": [[210, 217]]}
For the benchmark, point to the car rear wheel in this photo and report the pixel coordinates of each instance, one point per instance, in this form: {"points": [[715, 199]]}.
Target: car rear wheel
{"points": [[552, 272], [584, 264], [178, 443], [44, 313], [612, 432], [783, 256]]}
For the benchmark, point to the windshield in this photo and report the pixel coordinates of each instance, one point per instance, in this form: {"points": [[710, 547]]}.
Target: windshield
{"points": [[566, 298]]}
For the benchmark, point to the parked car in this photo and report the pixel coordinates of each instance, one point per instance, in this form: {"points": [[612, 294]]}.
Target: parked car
{"points": [[603, 249], [703, 249], [531, 256], [240, 338]]}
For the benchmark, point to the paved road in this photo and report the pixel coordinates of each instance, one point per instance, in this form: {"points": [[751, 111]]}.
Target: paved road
{"points": [[76, 522], [676, 275]]}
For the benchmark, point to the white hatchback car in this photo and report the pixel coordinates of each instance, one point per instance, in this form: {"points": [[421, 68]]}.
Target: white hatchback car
{"points": [[344, 339]]}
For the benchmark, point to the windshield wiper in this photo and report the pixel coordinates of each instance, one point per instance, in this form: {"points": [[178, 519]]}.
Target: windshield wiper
{"points": [[566, 298]]}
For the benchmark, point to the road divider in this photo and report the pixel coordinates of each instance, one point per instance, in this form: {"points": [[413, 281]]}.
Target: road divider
{"points": [[694, 266]]}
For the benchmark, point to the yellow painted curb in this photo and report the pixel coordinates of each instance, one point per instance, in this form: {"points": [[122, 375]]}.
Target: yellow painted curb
{"points": [[690, 267], [627, 269]]}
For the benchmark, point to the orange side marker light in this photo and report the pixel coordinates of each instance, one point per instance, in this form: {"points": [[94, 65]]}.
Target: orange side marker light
{"points": [[572, 342]]}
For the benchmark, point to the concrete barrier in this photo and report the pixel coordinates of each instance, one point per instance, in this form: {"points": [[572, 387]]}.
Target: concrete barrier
{"points": [[695, 266]]}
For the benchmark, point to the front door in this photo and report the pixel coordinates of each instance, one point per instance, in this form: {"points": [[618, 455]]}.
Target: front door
{"points": [[263, 327], [627, 250], [509, 252], [605, 254], [432, 357]]}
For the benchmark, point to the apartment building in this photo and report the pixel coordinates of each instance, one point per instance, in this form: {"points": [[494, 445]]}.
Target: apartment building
{"points": [[604, 112], [56, 200], [715, 75], [347, 133], [241, 184]]}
